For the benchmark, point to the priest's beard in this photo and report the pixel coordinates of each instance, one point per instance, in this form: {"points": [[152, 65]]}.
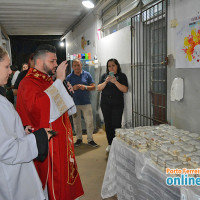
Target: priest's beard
{"points": [[47, 70]]}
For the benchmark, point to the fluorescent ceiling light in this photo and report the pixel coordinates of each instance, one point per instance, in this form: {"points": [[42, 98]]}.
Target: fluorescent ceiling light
{"points": [[88, 4], [62, 44]]}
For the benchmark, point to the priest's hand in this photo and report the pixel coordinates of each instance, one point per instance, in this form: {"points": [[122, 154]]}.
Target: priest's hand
{"points": [[60, 72]]}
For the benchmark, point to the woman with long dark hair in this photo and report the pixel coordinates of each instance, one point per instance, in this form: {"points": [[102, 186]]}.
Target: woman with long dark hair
{"points": [[113, 85]]}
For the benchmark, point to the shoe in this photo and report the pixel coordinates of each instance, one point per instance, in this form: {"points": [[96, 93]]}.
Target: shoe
{"points": [[93, 144], [108, 149], [78, 143]]}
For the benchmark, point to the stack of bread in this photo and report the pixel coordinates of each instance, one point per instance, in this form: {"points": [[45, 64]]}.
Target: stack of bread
{"points": [[167, 145]]}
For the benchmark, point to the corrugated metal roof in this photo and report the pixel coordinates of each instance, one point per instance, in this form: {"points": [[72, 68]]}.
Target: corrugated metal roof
{"points": [[39, 17]]}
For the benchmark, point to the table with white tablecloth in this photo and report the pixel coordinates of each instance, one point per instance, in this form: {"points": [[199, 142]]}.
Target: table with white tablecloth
{"points": [[131, 175]]}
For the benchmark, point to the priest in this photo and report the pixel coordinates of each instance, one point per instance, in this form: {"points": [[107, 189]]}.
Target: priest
{"points": [[44, 103]]}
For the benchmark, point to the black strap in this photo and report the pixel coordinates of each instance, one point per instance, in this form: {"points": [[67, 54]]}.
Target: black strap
{"points": [[42, 144], [2, 91]]}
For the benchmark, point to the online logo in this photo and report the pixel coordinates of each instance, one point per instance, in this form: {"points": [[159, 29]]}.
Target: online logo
{"points": [[184, 177]]}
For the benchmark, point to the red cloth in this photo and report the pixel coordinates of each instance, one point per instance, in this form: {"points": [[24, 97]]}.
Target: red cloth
{"points": [[59, 170]]}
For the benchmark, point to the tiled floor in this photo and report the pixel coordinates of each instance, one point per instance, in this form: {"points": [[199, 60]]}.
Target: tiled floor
{"points": [[91, 165]]}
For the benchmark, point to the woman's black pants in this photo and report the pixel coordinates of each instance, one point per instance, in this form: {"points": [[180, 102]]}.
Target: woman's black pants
{"points": [[112, 114]]}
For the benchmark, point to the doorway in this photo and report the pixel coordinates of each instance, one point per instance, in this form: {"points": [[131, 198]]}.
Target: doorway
{"points": [[149, 65]]}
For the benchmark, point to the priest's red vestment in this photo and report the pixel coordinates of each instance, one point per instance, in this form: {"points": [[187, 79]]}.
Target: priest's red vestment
{"points": [[59, 170]]}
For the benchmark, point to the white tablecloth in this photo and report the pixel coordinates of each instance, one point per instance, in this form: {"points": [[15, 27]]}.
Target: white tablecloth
{"points": [[132, 176]]}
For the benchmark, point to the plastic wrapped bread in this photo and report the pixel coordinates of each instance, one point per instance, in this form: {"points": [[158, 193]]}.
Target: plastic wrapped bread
{"points": [[185, 156], [147, 134], [155, 154], [123, 134], [162, 141], [188, 148], [186, 138], [194, 135], [118, 132], [174, 150], [138, 130], [173, 139], [167, 137], [141, 143], [160, 133], [162, 159], [173, 164], [133, 140], [128, 138], [165, 147], [179, 143], [194, 161], [186, 132], [178, 134], [197, 146], [196, 153], [154, 139], [193, 142]]}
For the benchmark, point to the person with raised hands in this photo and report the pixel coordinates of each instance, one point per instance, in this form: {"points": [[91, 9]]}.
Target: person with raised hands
{"points": [[42, 102]]}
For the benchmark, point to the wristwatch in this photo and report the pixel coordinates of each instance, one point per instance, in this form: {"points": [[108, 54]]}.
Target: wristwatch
{"points": [[85, 87]]}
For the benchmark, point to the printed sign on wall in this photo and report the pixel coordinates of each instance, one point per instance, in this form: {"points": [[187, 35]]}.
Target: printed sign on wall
{"points": [[188, 43]]}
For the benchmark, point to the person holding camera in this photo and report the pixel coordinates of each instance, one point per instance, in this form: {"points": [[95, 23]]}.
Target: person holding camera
{"points": [[113, 85]]}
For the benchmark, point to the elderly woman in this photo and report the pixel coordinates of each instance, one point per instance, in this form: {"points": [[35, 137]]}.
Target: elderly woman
{"points": [[18, 147], [112, 84]]}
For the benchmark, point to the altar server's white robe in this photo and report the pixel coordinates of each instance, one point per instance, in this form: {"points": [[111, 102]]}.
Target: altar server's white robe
{"points": [[18, 177]]}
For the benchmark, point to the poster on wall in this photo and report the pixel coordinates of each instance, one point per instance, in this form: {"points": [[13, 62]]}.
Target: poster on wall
{"points": [[188, 43]]}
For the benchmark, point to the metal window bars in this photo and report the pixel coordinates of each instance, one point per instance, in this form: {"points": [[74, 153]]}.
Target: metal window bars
{"points": [[149, 65]]}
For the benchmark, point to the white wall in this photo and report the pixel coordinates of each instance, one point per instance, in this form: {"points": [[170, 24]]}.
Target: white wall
{"points": [[184, 114], [116, 45], [88, 29]]}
